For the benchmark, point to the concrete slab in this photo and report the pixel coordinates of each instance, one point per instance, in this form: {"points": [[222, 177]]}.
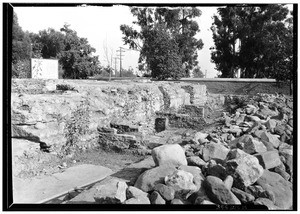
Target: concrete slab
{"points": [[39, 190]]}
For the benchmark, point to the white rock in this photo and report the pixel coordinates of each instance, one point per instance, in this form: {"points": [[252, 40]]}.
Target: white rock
{"points": [[169, 154]]}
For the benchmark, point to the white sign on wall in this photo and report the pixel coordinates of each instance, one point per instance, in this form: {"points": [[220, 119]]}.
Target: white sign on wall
{"points": [[44, 68]]}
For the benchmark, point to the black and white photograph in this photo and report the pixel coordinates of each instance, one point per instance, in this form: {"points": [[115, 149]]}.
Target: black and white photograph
{"points": [[149, 107]]}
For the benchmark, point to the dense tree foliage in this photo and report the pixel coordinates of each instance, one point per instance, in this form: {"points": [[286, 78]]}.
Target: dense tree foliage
{"points": [[256, 39], [76, 56], [181, 28], [74, 53]]}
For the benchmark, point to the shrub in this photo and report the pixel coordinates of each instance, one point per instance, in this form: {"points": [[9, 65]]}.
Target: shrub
{"points": [[75, 127]]}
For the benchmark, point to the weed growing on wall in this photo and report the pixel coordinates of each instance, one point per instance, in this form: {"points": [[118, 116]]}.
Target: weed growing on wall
{"points": [[75, 127]]}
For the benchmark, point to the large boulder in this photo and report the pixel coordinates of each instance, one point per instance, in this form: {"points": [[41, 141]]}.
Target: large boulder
{"points": [[245, 169], [214, 151], [169, 154], [147, 180], [282, 189], [218, 192]]}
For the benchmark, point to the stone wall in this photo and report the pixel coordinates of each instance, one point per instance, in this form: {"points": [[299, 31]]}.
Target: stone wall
{"points": [[40, 109]]}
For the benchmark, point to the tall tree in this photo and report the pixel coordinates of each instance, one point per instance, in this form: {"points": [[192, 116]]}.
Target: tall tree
{"points": [[76, 57], [179, 23], [21, 43], [265, 36]]}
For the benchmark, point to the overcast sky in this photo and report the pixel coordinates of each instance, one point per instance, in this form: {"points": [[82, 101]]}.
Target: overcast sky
{"points": [[101, 25]]}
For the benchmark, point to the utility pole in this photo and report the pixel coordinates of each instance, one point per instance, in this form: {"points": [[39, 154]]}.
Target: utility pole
{"points": [[115, 64], [121, 50]]}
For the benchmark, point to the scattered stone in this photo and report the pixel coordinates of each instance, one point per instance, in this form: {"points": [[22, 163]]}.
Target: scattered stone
{"points": [[155, 198], [169, 154], [216, 170], [271, 124], [240, 141], [167, 192], [177, 201], [214, 151], [251, 109], [147, 180], [254, 146], [195, 161], [140, 200], [245, 170], [269, 159], [228, 181], [282, 189], [283, 173], [218, 192], [113, 192], [267, 202], [196, 172], [133, 192], [207, 202], [258, 192], [182, 182], [244, 197], [200, 137], [270, 138]]}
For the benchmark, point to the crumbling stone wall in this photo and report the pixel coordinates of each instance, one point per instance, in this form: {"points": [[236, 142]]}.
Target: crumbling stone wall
{"points": [[40, 109]]}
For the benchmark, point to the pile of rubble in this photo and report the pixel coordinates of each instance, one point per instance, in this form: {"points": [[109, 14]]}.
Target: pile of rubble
{"points": [[248, 160]]}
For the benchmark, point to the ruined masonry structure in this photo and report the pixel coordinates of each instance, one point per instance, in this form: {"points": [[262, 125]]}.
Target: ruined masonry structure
{"points": [[41, 109]]}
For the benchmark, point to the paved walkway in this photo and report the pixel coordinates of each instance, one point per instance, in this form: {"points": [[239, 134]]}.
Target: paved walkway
{"points": [[39, 190]]}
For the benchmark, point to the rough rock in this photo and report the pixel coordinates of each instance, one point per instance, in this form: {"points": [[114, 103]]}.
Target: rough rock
{"points": [[214, 151], [228, 181], [258, 192], [200, 137], [269, 159], [240, 141], [218, 192], [217, 170], [244, 197], [155, 198], [111, 193], [169, 154], [245, 169], [196, 172], [195, 161], [282, 189], [286, 151], [267, 202], [133, 192], [180, 179], [167, 192], [147, 180], [266, 136], [177, 201], [254, 146], [140, 200], [283, 173], [182, 182], [251, 109], [271, 124]]}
